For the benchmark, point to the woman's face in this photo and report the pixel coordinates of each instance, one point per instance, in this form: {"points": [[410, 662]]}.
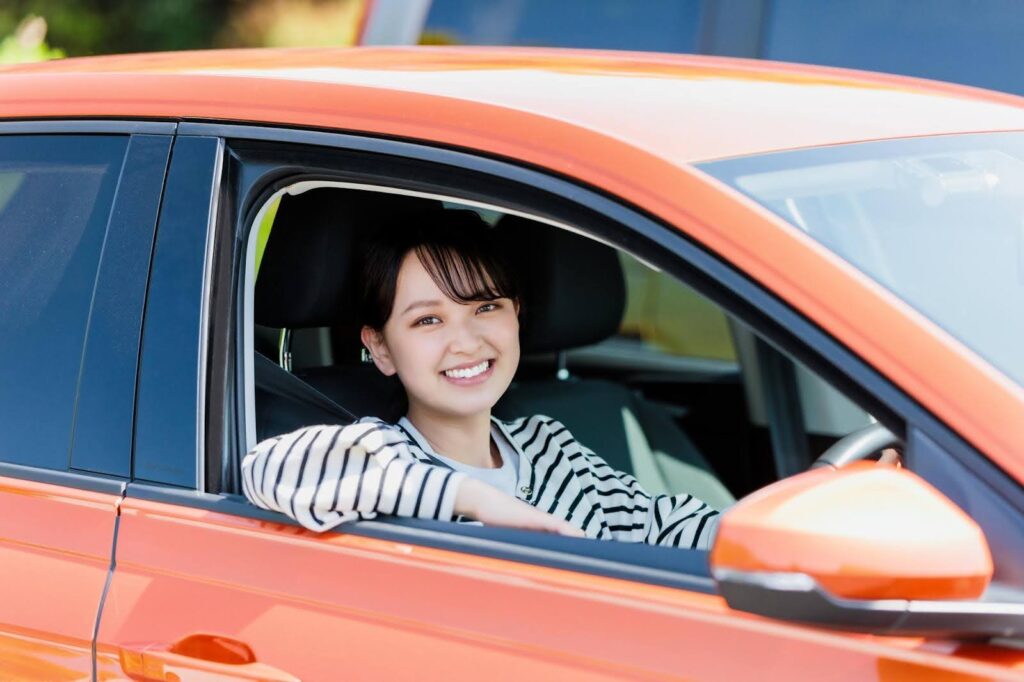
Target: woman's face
{"points": [[454, 359]]}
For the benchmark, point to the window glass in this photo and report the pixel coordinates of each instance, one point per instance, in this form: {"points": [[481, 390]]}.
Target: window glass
{"points": [[55, 198], [936, 220], [665, 316]]}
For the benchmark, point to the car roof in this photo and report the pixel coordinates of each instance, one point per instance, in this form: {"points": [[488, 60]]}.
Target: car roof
{"points": [[682, 108], [630, 124]]}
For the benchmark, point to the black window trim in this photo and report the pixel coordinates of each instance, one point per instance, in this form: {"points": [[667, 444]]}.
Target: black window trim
{"points": [[204, 316], [194, 160], [691, 262]]}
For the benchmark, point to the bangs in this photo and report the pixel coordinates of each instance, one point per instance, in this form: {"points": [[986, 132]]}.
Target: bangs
{"points": [[463, 255], [466, 274]]}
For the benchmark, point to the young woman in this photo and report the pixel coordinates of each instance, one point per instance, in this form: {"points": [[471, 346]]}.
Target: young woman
{"points": [[440, 310]]}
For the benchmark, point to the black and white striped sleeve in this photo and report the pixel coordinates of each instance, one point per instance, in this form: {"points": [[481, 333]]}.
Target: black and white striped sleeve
{"points": [[681, 521], [323, 476], [633, 515]]}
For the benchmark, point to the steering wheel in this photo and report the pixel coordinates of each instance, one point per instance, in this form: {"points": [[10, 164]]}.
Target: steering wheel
{"points": [[857, 445]]}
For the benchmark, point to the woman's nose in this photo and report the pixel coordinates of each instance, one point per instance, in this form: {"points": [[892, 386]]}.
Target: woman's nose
{"points": [[466, 337]]}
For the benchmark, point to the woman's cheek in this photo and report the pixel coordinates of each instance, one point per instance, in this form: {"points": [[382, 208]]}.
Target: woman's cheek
{"points": [[512, 334]]}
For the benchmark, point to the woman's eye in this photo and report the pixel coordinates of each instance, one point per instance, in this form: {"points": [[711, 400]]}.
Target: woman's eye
{"points": [[487, 307], [427, 320]]}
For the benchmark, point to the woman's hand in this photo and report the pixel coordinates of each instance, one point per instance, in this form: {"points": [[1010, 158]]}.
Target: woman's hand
{"points": [[492, 507]]}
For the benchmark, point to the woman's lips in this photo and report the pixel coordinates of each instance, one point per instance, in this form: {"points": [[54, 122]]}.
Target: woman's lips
{"points": [[469, 374]]}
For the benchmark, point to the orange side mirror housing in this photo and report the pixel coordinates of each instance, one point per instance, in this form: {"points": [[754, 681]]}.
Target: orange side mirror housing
{"points": [[866, 547]]}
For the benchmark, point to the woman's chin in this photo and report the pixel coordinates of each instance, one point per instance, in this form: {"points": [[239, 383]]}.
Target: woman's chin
{"points": [[460, 406]]}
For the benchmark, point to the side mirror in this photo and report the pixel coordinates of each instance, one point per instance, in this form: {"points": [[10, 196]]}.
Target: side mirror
{"points": [[866, 548]]}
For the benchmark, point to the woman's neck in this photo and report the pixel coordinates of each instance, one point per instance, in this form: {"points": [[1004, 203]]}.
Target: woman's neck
{"points": [[464, 439]]}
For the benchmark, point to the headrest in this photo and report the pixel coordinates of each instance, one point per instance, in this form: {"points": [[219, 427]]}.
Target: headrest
{"points": [[574, 291], [305, 278]]}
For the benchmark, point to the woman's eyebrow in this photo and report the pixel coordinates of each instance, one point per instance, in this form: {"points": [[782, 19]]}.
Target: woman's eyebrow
{"points": [[420, 304]]}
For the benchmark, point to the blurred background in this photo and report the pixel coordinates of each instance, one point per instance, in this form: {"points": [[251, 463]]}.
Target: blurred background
{"points": [[41, 29], [976, 42]]}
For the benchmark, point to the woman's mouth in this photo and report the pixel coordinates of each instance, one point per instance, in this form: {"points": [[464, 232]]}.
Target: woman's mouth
{"points": [[469, 374]]}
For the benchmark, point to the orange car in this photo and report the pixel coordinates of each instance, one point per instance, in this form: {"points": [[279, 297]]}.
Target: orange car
{"points": [[749, 269]]}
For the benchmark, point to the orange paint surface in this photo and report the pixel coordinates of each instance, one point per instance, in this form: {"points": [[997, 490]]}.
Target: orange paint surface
{"points": [[55, 546], [680, 108], [382, 609], [853, 531]]}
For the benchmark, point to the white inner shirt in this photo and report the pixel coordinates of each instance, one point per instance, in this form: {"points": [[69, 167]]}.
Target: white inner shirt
{"points": [[504, 478]]}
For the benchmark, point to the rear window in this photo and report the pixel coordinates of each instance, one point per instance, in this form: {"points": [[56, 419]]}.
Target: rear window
{"points": [[55, 198]]}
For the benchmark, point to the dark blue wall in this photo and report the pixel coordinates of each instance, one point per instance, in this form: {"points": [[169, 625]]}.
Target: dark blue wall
{"points": [[976, 42]]}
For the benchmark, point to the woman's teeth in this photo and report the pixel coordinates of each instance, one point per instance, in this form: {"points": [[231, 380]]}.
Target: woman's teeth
{"points": [[468, 372]]}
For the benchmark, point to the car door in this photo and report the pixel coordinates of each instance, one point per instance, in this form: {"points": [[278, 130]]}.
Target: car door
{"points": [[206, 584], [77, 211]]}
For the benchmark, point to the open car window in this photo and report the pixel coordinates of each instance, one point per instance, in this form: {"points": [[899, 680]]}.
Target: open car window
{"points": [[664, 385]]}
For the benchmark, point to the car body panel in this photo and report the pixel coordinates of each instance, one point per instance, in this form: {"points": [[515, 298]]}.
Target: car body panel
{"points": [[381, 608], [803, 524], [67, 536], [683, 109], [309, 88]]}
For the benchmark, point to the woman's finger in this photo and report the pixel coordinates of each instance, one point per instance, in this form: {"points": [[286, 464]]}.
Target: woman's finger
{"points": [[570, 530], [565, 528]]}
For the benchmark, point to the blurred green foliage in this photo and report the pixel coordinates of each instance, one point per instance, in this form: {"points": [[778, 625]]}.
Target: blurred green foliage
{"points": [[82, 27], [88, 27], [27, 44]]}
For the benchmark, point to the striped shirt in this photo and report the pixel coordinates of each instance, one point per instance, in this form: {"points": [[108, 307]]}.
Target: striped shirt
{"points": [[323, 476], [505, 478]]}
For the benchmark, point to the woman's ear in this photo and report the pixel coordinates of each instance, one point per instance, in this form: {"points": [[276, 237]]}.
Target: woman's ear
{"points": [[374, 342]]}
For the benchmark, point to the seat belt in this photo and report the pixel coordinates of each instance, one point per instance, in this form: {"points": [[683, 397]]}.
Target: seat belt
{"points": [[274, 379]]}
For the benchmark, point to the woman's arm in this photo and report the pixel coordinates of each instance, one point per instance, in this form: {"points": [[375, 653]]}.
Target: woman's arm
{"points": [[631, 514], [681, 521], [322, 476], [490, 506]]}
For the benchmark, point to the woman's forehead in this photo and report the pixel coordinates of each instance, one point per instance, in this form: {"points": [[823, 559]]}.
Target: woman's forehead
{"points": [[414, 281], [445, 275], [415, 285]]}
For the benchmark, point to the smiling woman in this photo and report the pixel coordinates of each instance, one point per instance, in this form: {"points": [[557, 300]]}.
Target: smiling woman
{"points": [[440, 310]]}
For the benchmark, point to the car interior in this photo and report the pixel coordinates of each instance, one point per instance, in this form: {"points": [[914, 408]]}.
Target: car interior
{"points": [[653, 377]]}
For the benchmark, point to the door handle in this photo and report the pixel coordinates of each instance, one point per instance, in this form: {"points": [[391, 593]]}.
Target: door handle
{"points": [[197, 657]]}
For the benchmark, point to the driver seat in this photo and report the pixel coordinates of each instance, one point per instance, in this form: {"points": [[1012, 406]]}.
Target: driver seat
{"points": [[574, 295]]}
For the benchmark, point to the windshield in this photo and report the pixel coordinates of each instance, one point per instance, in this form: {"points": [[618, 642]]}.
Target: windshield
{"points": [[939, 221]]}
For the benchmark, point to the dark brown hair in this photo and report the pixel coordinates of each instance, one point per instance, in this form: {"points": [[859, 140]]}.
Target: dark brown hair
{"points": [[457, 248]]}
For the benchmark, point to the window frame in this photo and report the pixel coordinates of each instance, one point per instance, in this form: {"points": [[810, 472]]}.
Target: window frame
{"points": [[262, 159], [78, 473], [170, 407]]}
